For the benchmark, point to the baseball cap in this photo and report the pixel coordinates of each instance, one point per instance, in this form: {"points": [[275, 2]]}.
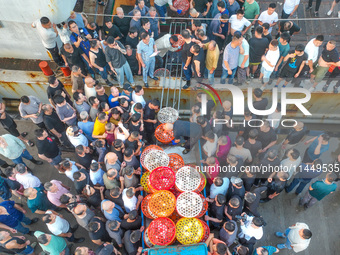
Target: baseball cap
{"points": [[235, 180], [128, 87]]}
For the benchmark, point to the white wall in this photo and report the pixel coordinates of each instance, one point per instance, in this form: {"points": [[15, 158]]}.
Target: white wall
{"points": [[17, 38]]}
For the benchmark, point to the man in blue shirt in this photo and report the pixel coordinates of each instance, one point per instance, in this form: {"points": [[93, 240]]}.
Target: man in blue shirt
{"points": [[145, 48], [111, 210], [96, 174], [232, 6], [12, 216], [85, 125], [320, 144]]}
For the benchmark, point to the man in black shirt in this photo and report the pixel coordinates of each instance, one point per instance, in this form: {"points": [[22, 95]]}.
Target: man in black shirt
{"points": [[270, 161], [210, 104], [122, 22], [266, 136], [202, 6], [252, 144], [55, 126], [74, 56], [81, 179], [294, 64], [132, 38], [131, 58], [132, 222], [102, 97], [54, 86], [216, 210], [260, 103], [257, 48], [47, 148], [190, 131], [289, 26], [132, 242], [84, 156], [252, 201], [236, 188], [112, 30], [97, 231], [186, 57], [117, 148], [206, 127], [233, 208], [115, 195], [150, 120], [94, 31], [293, 138], [199, 61]]}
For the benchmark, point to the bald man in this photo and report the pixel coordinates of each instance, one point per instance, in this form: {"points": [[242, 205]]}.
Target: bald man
{"points": [[111, 161], [112, 211], [191, 133]]}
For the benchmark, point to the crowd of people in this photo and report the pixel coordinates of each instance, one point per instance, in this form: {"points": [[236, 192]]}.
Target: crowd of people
{"points": [[107, 132], [251, 44]]}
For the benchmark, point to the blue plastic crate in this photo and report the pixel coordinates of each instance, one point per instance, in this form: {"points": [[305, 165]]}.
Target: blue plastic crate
{"points": [[195, 249]]}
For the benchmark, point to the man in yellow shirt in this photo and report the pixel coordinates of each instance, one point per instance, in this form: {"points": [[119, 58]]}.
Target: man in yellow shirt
{"points": [[99, 126], [211, 60]]}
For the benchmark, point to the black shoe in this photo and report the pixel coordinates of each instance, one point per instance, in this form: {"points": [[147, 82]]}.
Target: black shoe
{"points": [[186, 85], [308, 8], [36, 162], [34, 220], [113, 77], [316, 14], [146, 85], [31, 233], [24, 134], [335, 90], [154, 78], [5, 165], [324, 88], [108, 83], [184, 79], [79, 240]]}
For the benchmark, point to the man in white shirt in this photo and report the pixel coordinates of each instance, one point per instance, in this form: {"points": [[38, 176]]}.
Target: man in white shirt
{"points": [[27, 180], [291, 164], [58, 226], [210, 146], [269, 16], [137, 95], [312, 51], [89, 87], [251, 231], [161, 8], [289, 8], [269, 62], [237, 22], [297, 237], [130, 200], [167, 43], [48, 34]]}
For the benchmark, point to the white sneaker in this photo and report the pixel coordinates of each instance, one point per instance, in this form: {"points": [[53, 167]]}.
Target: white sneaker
{"points": [[263, 87], [329, 13], [311, 89]]}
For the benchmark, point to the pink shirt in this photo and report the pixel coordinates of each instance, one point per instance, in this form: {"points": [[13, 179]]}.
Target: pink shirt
{"points": [[55, 197], [223, 150], [213, 171]]}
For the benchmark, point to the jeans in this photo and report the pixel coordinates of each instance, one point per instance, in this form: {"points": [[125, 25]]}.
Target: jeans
{"points": [[308, 200], [56, 160], [210, 76], [296, 181], [28, 250], [88, 66], [226, 75], [317, 5], [149, 69], [67, 251], [124, 69], [103, 74], [56, 56], [25, 154], [64, 140], [188, 72], [284, 15], [161, 11], [21, 228], [287, 243]]}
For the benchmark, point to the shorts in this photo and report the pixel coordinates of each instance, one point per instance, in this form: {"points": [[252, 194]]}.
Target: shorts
{"points": [[13, 130], [28, 250], [266, 74], [319, 73], [286, 75]]}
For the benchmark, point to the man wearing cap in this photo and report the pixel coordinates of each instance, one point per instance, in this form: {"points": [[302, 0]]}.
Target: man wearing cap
{"points": [[190, 131], [236, 188], [115, 57], [146, 48]]}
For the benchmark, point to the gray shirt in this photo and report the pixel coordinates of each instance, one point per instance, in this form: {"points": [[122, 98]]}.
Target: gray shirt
{"points": [[243, 153], [66, 111], [86, 220], [116, 57], [82, 107], [116, 235], [93, 114], [231, 56], [226, 237], [31, 108], [130, 182]]}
